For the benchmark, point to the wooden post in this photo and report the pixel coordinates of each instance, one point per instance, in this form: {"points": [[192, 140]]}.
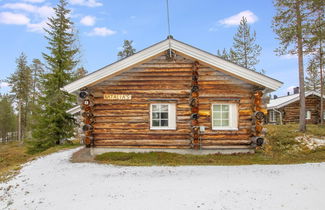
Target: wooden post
{"points": [[194, 103]]}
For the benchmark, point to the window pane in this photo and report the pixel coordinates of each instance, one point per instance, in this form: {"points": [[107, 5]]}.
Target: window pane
{"points": [[155, 115], [216, 115], [225, 115], [164, 115], [155, 108], [225, 122], [164, 123], [164, 108], [216, 123], [225, 107], [155, 122], [216, 107]]}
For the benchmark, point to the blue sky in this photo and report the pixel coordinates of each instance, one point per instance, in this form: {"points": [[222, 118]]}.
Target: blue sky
{"points": [[103, 25]]}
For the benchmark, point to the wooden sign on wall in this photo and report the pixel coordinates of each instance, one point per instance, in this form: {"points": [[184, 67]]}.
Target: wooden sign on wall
{"points": [[117, 97]]}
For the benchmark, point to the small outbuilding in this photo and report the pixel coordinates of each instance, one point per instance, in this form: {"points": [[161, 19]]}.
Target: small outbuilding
{"points": [[286, 109], [173, 96]]}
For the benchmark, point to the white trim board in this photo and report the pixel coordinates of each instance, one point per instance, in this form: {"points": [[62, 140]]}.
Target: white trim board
{"points": [[195, 53]]}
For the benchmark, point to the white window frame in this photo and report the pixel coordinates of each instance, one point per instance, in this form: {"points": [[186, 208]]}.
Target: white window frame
{"points": [[171, 117], [233, 117], [308, 115], [272, 116]]}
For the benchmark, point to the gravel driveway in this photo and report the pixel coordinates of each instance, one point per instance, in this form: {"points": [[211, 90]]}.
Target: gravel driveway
{"points": [[53, 182]]}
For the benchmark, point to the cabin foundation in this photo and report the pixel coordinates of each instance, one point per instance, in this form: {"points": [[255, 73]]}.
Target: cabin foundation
{"points": [[226, 151]]}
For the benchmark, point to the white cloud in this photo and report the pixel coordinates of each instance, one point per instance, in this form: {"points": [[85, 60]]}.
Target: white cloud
{"points": [[13, 18], [101, 31], [4, 84], [39, 15], [88, 20], [235, 19], [37, 27], [42, 11], [288, 56], [34, 1], [87, 3]]}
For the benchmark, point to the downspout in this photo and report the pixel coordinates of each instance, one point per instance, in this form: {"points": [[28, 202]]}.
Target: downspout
{"points": [[280, 113]]}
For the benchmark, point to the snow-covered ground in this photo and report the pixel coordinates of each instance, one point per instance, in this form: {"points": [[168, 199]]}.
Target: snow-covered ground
{"points": [[52, 182]]}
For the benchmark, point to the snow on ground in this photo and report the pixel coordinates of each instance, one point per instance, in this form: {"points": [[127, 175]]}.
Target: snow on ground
{"points": [[52, 182]]}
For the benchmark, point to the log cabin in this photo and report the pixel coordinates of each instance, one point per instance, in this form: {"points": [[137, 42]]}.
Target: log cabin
{"points": [[173, 96], [286, 109]]}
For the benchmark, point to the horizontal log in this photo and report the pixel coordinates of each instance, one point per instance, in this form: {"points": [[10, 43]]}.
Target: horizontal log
{"points": [[139, 130], [126, 136], [146, 146], [223, 136], [226, 147], [141, 142], [225, 142]]}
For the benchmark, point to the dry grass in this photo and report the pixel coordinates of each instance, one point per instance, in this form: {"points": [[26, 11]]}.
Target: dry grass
{"points": [[13, 155], [281, 148]]}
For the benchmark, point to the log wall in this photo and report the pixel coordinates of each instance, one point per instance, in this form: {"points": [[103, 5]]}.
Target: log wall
{"points": [[126, 123], [291, 111]]}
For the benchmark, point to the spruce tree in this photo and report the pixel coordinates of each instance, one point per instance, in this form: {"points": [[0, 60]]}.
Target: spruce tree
{"points": [[291, 26], [245, 51], [20, 82], [54, 124], [127, 51], [312, 80]]}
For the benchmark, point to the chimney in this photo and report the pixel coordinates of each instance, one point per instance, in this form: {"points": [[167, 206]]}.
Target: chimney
{"points": [[275, 97], [296, 90], [288, 93]]}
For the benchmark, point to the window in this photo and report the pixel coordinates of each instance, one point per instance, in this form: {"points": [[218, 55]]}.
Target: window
{"points": [[224, 117], [324, 115], [308, 115], [272, 116], [163, 116]]}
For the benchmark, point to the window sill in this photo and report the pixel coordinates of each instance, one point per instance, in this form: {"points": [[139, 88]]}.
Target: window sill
{"points": [[225, 129], [162, 128]]}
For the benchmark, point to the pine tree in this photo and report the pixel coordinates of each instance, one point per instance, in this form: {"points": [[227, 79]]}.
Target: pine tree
{"points": [[80, 72], [315, 44], [54, 124], [37, 72], [7, 118], [20, 82], [127, 51], [224, 54], [312, 80], [291, 26], [245, 51]]}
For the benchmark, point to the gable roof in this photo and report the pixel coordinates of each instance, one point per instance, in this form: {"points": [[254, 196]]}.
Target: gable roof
{"points": [[181, 48], [285, 100]]}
